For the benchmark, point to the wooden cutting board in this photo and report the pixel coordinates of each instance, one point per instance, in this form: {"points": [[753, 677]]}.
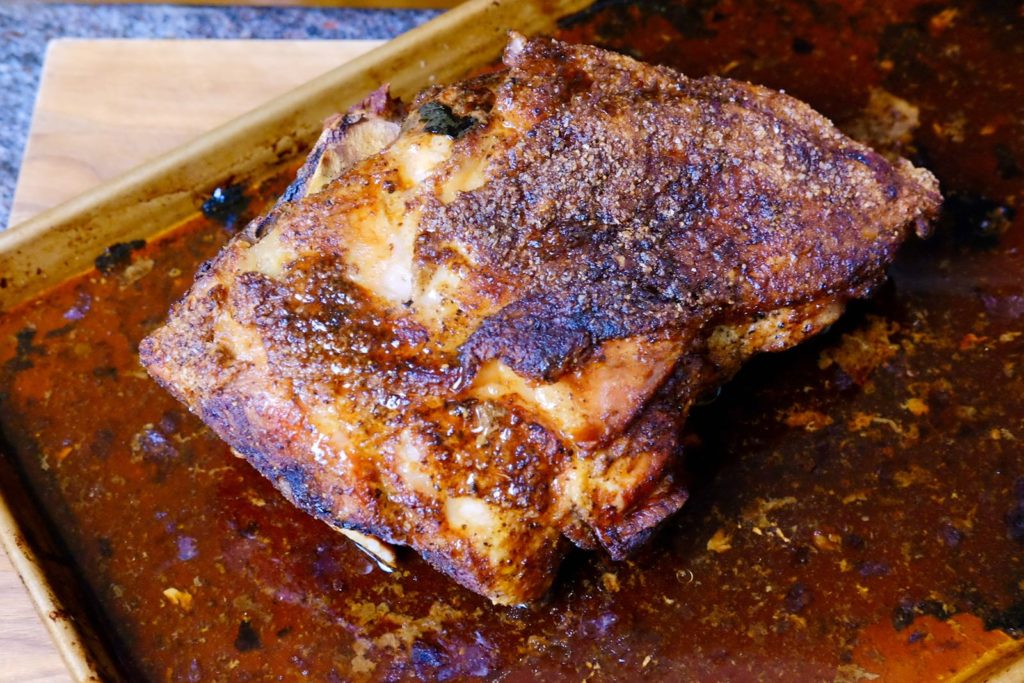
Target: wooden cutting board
{"points": [[103, 107]]}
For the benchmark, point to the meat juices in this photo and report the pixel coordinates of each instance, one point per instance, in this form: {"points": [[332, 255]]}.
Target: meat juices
{"points": [[476, 328]]}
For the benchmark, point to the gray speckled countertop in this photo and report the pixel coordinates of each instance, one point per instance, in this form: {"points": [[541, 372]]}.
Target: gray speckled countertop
{"points": [[26, 28]]}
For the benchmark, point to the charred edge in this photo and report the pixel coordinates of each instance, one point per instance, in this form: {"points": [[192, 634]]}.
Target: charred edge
{"points": [[1009, 620], [585, 15], [248, 638], [908, 610], [439, 119], [303, 490], [228, 418], [24, 350], [117, 255], [638, 526], [226, 205], [977, 221]]}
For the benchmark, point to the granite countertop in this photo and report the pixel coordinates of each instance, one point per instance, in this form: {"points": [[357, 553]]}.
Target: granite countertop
{"points": [[27, 27]]}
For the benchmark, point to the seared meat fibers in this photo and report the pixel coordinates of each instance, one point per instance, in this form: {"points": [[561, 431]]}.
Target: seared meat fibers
{"points": [[476, 329]]}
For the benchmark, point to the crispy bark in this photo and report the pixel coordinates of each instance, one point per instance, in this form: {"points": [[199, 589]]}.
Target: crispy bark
{"points": [[477, 329]]}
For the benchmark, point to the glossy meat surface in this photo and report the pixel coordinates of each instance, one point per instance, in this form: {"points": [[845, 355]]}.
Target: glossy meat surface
{"points": [[477, 329]]}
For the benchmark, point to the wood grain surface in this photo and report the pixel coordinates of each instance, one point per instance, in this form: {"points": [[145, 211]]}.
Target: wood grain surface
{"points": [[103, 107]]}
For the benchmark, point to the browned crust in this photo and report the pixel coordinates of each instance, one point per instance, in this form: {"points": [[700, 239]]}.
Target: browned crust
{"points": [[627, 201]]}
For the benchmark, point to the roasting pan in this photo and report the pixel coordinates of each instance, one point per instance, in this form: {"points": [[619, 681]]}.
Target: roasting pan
{"points": [[63, 242]]}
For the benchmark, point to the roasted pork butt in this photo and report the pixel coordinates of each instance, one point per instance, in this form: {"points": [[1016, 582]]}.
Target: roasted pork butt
{"points": [[476, 328]]}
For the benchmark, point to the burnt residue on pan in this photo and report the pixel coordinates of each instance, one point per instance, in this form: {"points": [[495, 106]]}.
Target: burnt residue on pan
{"points": [[858, 503]]}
